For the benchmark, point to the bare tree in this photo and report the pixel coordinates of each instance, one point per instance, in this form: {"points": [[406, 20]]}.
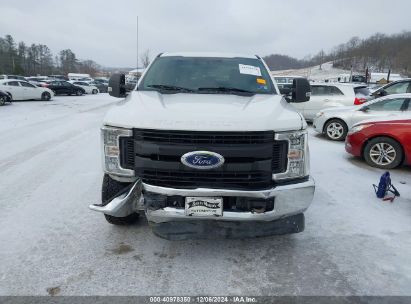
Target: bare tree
{"points": [[320, 56], [145, 58]]}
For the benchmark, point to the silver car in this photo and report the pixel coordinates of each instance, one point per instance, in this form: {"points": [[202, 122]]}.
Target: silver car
{"points": [[332, 95], [336, 122]]}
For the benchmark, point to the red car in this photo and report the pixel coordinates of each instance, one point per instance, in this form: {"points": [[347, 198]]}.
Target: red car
{"points": [[383, 144]]}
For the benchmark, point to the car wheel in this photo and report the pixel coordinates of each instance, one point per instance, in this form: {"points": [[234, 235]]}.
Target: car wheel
{"points": [[54, 92], [45, 96], [383, 152], [79, 92], [110, 189], [3, 100], [336, 129], [94, 91]]}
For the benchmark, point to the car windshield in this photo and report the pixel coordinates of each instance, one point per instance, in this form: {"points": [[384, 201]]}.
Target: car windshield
{"points": [[207, 75]]}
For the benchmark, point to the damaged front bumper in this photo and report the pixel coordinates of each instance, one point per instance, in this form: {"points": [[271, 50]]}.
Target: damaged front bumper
{"points": [[289, 200], [125, 203]]}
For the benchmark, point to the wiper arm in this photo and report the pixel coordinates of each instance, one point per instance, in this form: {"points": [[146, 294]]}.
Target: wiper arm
{"points": [[227, 89], [169, 88]]}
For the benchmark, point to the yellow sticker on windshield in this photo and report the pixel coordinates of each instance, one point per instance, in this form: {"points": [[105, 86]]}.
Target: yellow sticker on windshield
{"points": [[261, 81]]}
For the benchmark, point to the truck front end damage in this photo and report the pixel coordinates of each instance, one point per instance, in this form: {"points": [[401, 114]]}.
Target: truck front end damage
{"points": [[208, 184]]}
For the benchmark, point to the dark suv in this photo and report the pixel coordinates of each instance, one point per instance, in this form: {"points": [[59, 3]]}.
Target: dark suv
{"points": [[60, 87]]}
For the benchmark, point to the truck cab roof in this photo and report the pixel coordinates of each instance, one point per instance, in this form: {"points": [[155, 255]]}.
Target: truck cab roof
{"points": [[208, 54]]}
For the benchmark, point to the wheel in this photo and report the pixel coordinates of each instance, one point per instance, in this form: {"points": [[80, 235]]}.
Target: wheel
{"points": [[54, 92], [110, 189], [383, 152], [79, 92], [94, 91], [3, 100], [336, 129], [45, 96]]}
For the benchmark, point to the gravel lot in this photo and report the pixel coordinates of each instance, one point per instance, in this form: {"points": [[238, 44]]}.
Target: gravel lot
{"points": [[51, 243]]}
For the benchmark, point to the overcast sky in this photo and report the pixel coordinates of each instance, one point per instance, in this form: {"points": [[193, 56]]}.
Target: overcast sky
{"points": [[105, 31]]}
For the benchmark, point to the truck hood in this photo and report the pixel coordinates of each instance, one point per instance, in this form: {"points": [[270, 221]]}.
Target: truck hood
{"points": [[204, 112]]}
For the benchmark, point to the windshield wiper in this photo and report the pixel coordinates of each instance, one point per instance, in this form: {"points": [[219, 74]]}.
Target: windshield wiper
{"points": [[228, 90], [165, 87]]}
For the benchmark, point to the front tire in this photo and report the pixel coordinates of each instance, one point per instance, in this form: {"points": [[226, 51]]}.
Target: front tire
{"points": [[3, 100], [94, 91], [79, 92], [45, 96], [383, 153], [110, 189], [336, 130]]}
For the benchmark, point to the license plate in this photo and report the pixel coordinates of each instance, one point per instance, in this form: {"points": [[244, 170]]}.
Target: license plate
{"points": [[204, 206]]}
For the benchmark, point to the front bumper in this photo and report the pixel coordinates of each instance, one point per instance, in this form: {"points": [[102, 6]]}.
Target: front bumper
{"points": [[354, 143], [318, 123], [288, 200]]}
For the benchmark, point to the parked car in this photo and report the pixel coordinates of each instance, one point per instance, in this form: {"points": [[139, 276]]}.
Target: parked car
{"points": [[329, 95], [12, 77], [384, 143], [23, 90], [60, 87], [36, 81], [395, 87], [336, 122], [374, 87], [102, 80], [131, 84], [58, 77], [102, 86], [88, 88], [4, 97], [213, 147], [285, 83]]}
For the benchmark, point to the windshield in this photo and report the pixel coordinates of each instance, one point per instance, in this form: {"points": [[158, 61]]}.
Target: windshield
{"points": [[207, 75], [362, 91]]}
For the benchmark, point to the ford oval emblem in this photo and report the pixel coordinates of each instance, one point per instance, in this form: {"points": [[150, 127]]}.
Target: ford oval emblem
{"points": [[202, 160]]}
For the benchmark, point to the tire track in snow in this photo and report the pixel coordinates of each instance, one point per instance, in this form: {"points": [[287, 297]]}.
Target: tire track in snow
{"points": [[28, 154]]}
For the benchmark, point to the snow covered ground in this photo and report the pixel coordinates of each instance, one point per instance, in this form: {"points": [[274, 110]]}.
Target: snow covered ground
{"points": [[51, 243], [315, 73]]}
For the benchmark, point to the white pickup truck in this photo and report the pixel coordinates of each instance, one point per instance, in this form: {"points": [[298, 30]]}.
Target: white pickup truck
{"points": [[205, 146]]}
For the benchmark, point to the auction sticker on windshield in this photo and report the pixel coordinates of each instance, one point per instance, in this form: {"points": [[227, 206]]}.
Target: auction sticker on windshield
{"points": [[249, 70], [204, 206]]}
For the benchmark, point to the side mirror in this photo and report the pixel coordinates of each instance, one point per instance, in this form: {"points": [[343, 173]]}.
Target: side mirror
{"points": [[117, 85], [285, 91], [301, 90], [380, 93]]}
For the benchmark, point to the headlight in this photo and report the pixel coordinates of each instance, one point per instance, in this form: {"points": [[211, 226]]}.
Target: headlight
{"points": [[356, 129], [110, 139], [298, 155]]}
